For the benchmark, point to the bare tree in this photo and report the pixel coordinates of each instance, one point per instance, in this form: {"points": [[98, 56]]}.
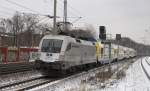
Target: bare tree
{"points": [[44, 28], [30, 23], [25, 29], [6, 25], [18, 25]]}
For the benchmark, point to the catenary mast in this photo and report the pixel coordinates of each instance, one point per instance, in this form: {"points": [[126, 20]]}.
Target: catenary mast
{"points": [[54, 20], [65, 15]]}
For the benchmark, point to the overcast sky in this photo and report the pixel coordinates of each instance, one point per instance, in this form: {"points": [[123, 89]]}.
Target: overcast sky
{"points": [[129, 17]]}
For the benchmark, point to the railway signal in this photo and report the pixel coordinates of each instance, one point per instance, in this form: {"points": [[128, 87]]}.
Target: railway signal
{"points": [[102, 33]]}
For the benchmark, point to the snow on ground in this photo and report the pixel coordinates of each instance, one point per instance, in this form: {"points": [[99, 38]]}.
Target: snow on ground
{"points": [[17, 77], [121, 77], [99, 80], [133, 79]]}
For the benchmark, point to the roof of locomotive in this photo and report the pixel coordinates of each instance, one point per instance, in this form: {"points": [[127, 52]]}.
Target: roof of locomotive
{"points": [[55, 37], [64, 37]]}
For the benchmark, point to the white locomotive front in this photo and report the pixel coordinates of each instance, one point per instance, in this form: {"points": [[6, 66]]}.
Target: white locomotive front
{"points": [[64, 53]]}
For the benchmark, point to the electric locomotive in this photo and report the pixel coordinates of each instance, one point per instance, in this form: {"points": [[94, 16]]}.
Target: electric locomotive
{"points": [[61, 54]]}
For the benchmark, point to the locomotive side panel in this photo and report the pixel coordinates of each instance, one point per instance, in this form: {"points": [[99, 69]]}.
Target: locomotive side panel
{"points": [[79, 54]]}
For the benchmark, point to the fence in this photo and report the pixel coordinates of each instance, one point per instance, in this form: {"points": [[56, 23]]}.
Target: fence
{"points": [[13, 54]]}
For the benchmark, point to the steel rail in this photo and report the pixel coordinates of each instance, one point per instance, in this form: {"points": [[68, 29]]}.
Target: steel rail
{"points": [[28, 84], [148, 76], [21, 82]]}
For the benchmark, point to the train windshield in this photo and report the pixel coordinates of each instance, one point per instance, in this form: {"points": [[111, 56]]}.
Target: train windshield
{"points": [[51, 45]]}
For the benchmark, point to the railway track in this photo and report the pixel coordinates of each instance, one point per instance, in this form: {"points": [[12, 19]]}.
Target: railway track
{"points": [[148, 76], [147, 62], [36, 82], [15, 67], [27, 84], [82, 74]]}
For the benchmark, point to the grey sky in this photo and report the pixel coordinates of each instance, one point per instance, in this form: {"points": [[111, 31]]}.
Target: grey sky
{"points": [[128, 17]]}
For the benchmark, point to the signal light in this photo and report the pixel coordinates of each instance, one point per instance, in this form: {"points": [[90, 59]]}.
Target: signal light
{"points": [[102, 33]]}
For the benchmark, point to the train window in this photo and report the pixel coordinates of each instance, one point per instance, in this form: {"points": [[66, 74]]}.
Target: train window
{"points": [[124, 52], [68, 47], [51, 45], [77, 40], [102, 50]]}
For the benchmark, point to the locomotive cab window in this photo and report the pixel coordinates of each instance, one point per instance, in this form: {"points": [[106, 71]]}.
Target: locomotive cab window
{"points": [[51, 45]]}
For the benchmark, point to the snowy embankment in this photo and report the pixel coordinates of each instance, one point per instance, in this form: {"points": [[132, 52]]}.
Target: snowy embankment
{"points": [[114, 79], [135, 79]]}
